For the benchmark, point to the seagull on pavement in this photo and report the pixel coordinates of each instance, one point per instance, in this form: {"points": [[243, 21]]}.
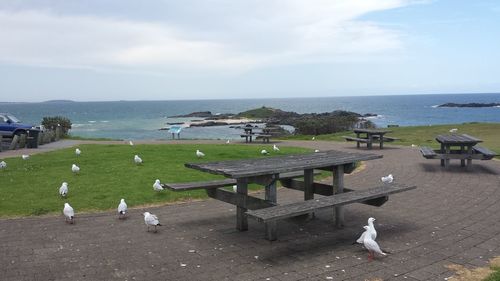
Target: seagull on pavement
{"points": [[137, 159], [454, 130], [78, 152], [316, 150], [276, 148], [372, 246], [75, 169], [69, 213], [199, 154], [387, 179], [3, 165], [122, 209], [370, 231], [157, 185], [25, 156], [264, 152], [151, 220], [63, 190]]}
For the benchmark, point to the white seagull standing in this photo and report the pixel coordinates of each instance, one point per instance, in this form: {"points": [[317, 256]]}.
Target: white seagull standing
{"points": [[122, 209], [228, 142], [370, 231], [63, 190], [454, 130], [137, 159], [151, 220], [387, 179], [313, 138], [25, 156], [131, 143], [78, 152], [264, 152], [235, 188], [276, 148], [157, 186], [372, 246], [199, 154], [75, 169], [69, 213], [3, 165]]}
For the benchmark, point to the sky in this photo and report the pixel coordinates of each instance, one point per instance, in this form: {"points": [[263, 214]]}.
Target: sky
{"points": [[97, 50]]}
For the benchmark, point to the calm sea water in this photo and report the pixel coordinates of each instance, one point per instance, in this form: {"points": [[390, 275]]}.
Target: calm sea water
{"points": [[142, 119]]}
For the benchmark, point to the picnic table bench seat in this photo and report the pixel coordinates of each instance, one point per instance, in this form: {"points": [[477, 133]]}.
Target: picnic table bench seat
{"points": [[304, 207], [386, 139], [355, 139], [428, 152], [264, 137], [220, 183], [487, 154]]}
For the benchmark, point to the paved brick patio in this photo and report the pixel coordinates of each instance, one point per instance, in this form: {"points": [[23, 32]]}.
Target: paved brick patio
{"points": [[452, 217]]}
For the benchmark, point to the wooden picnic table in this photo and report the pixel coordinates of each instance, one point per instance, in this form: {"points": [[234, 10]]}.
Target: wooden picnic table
{"points": [[457, 146], [370, 135], [267, 171]]}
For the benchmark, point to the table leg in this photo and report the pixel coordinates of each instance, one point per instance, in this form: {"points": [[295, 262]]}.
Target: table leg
{"points": [[308, 186], [338, 187], [469, 160], [381, 141], [250, 138], [370, 140], [442, 152], [447, 153], [241, 218], [462, 151], [357, 142], [271, 196]]}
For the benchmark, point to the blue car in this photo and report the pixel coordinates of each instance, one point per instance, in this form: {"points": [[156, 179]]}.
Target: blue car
{"points": [[10, 125]]}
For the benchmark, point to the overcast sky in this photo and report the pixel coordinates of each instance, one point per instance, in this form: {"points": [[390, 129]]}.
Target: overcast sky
{"points": [[209, 49]]}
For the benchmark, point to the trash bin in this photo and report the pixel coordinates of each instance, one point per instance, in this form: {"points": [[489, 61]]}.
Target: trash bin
{"points": [[32, 141]]}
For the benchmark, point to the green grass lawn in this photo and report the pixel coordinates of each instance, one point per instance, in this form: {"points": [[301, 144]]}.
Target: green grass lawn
{"points": [[425, 135], [108, 173]]}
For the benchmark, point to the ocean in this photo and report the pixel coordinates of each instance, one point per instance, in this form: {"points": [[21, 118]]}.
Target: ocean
{"points": [[143, 119]]}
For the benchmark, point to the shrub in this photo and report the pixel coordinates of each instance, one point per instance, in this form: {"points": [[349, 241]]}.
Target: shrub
{"points": [[52, 122]]}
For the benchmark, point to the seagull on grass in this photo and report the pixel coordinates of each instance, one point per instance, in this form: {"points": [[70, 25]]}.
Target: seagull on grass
{"points": [[372, 246], [69, 213], [264, 152], [3, 165], [25, 156], [276, 148], [137, 159], [78, 152], [130, 143], [228, 142], [387, 179], [316, 150], [370, 231], [122, 209], [199, 154], [454, 130], [151, 220], [75, 169], [63, 190], [157, 185], [235, 188]]}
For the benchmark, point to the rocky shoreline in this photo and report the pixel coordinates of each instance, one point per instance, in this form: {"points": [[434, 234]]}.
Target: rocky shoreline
{"points": [[472, 104]]}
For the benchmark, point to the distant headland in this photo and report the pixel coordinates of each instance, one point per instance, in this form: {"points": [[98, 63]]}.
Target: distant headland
{"points": [[58, 101], [472, 104]]}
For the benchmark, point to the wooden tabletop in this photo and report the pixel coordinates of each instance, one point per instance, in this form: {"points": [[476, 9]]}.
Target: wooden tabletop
{"points": [[457, 139], [281, 164], [371, 131]]}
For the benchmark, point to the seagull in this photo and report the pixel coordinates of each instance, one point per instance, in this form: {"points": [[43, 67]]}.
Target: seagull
{"points": [[235, 188], [227, 142], [78, 152], [122, 209], [157, 186], [372, 246], [316, 150], [454, 130], [25, 156], [276, 148], [3, 165], [69, 213], [131, 143], [370, 231], [75, 169], [63, 190], [137, 159], [387, 179], [313, 138], [413, 145], [264, 152], [151, 220], [199, 154]]}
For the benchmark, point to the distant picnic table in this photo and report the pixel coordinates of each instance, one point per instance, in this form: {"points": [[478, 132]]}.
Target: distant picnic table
{"points": [[458, 146], [268, 171], [369, 136], [248, 134]]}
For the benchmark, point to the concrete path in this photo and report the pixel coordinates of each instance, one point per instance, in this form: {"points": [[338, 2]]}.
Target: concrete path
{"points": [[452, 217]]}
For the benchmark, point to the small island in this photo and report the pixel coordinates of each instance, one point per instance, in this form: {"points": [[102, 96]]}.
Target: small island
{"points": [[472, 104]]}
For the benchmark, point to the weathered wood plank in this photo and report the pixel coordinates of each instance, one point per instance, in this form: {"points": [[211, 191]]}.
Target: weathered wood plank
{"points": [[428, 152], [487, 154], [22, 141], [248, 202], [299, 208], [13, 144], [281, 164], [356, 139], [338, 188], [242, 190]]}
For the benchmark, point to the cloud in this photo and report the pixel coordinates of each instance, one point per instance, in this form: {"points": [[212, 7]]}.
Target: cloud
{"points": [[228, 36]]}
